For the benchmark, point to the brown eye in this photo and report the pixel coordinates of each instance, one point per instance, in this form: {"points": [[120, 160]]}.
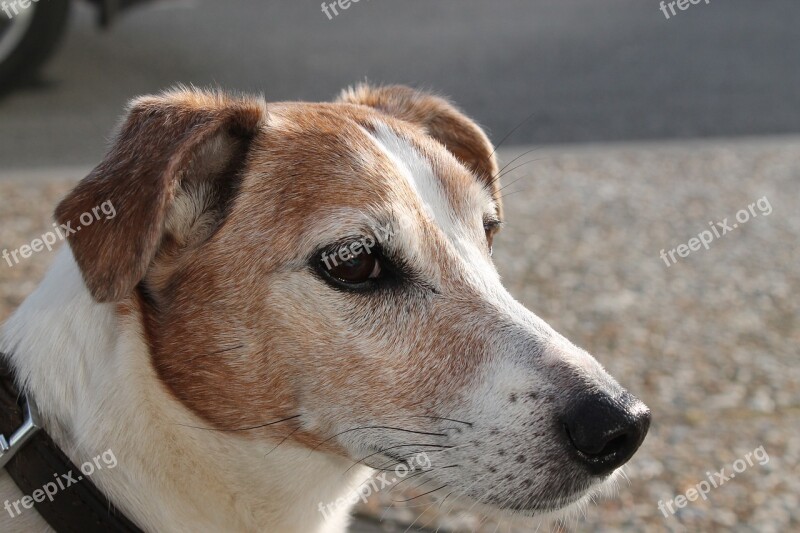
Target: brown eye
{"points": [[351, 265], [491, 227], [490, 240]]}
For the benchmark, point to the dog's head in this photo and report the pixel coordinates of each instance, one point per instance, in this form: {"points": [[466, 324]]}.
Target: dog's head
{"points": [[329, 265]]}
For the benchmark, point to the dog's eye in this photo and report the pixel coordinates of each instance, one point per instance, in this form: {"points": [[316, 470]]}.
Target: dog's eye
{"points": [[351, 266], [491, 227], [358, 269], [490, 240]]}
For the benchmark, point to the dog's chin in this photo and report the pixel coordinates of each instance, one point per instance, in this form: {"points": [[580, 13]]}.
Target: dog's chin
{"points": [[561, 509]]}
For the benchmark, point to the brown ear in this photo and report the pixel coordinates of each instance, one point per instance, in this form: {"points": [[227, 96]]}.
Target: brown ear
{"points": [[443, 121], [170, 145]]}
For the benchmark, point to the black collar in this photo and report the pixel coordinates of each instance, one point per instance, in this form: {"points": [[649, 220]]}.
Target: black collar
{"points": [[34, 461]]}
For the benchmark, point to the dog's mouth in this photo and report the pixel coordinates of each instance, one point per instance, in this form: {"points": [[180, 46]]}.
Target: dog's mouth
{"points": [[549, 507], [540, 504], [546, 506], [555, 491], [516, 507]]}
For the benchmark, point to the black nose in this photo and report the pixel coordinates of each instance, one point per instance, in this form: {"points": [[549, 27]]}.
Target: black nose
{"points": [[606, 431]]}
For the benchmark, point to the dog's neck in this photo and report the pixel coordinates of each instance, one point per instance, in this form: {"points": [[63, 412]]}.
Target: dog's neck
{"points": [[89, 369]]}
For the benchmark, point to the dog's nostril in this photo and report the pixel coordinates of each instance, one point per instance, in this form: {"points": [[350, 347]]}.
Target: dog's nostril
{"points": [[606, 431], [615, 445]]}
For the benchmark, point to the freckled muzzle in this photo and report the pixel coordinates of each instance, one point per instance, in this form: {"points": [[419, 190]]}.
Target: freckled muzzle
{"points": [[604, 432]]}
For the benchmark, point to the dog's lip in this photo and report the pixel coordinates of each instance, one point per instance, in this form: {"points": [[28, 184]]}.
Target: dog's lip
{"points": [[533, 510], [549, 508]]}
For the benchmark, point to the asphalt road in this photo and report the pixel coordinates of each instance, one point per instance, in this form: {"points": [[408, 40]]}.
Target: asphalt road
{"points": [[588, 71]]}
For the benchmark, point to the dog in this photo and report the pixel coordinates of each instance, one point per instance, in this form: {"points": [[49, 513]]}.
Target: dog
{"points": [[243, 383]]}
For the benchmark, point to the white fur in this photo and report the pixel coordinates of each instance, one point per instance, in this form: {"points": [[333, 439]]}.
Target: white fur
{"points": [[418, 174]]}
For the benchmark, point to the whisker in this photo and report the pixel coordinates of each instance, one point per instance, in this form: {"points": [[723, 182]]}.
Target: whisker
{"points": [[246, 428], [391, 428], [500, 172], [515, 192], [445, 449], [412, 476], [445, 498], [393, 447], [443, 418], [422, 473], [295, 430], [477, 482], [421, 495], [509, 171], [418, 515], [402, 459], [504, 187], [510, 133]]}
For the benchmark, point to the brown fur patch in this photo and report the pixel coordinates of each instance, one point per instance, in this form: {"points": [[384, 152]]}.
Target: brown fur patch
{"points": [[139, 176]]}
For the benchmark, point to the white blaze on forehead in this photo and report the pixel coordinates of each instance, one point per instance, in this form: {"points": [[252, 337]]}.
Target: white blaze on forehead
{"points": [[419, 175], [467, 240]]}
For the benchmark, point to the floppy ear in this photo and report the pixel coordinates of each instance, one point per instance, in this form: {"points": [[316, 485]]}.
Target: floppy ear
{"points": [[442, 121], [171, 172]]}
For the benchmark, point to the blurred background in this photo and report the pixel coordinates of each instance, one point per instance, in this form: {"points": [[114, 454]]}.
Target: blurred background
{"points": [[646, 127]]}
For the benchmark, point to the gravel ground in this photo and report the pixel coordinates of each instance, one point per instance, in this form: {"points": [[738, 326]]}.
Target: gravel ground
{"points": [[711, 343]]}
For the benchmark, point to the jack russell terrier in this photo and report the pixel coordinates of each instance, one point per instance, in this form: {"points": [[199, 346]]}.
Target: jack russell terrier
{"points": [[290, 297]]}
